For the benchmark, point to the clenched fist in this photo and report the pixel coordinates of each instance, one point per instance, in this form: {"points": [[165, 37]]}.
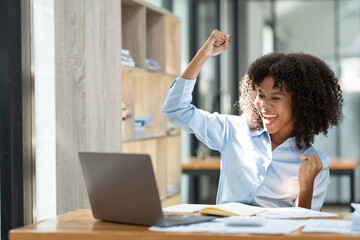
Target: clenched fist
{"points": [[217, 43], [309, 168]]}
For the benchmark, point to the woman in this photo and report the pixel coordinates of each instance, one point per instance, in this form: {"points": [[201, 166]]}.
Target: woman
{"points": [[267, 157]]}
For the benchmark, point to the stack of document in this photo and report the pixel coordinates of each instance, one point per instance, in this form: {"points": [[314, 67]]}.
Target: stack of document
{"points": [[240, 209], [152, 65], [355, 226], [141, 123], [278, 220], [328, 226], [273, 226], [294, 213], [335, 226], [126, 58]]}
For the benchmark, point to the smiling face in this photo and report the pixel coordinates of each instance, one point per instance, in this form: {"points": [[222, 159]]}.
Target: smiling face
{"points": [[275, 108]]}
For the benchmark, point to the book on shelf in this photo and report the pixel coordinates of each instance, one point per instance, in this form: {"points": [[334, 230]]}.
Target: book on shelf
{"points": [[125, 52], [152, 65], [144, 121], [140, 124], [126, 58]]}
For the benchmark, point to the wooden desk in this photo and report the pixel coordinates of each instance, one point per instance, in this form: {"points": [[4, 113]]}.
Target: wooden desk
{"points": [[211, 163], [81, 225], [195, 167]]}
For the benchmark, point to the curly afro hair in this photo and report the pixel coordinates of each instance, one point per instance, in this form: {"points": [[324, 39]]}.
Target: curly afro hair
{"points": [[316, 93]]}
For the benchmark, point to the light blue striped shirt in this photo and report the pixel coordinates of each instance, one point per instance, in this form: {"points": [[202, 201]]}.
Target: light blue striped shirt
{"points": [[251, 172]]}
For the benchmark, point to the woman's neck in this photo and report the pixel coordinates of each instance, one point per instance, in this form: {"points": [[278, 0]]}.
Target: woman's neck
{"points": [[277, 140]]}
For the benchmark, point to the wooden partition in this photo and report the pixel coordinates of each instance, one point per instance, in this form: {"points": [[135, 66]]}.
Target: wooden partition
{"points": [[88, 90]]}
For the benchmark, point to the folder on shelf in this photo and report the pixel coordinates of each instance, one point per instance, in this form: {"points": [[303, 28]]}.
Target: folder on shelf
{"points": [[141, 123]]}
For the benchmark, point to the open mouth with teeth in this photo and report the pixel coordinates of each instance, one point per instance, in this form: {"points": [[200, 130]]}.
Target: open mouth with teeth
{"points": [[269, 118]]}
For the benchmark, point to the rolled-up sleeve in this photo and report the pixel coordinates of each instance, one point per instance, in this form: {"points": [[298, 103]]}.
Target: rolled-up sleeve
{"points": [[208, 128]]}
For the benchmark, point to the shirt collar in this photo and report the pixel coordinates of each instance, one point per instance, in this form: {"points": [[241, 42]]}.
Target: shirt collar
{"points": [[288, 142], [255, 133]]}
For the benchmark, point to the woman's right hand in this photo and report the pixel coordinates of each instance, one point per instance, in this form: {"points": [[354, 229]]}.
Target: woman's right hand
{"points": [[217, 43]]}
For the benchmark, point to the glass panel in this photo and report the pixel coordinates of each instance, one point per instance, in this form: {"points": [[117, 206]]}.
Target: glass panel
{"points": [[181, 10], [349, 51], [349, 47], [207, 84], [259, 17], [230, 65], [313, 34], [44, 75]]}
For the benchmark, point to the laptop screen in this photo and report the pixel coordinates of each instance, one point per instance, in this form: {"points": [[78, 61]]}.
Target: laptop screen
{"points": [[121, 187]]}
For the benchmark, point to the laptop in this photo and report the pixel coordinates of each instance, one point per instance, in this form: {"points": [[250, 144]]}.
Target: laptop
{"points": [[122, 188]]}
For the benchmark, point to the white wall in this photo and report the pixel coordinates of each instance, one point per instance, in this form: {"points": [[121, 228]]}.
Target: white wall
{"points": [[258, 14]]}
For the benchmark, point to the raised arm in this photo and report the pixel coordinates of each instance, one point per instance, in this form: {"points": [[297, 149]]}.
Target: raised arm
{"points": [[208, 128], [217, 43]]}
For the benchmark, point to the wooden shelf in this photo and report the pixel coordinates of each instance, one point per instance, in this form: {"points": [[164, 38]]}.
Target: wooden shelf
{"points": [[165, 154], [145, 92], [172, 45], [150, 93], [155, 148], [137, 69], [155, 36], [152, 33], [171, 201], [150, 138], [133, 33], [128, 98], [173, 164]]}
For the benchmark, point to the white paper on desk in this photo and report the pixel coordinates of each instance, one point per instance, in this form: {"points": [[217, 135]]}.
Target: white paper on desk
{"points": [[294, 212], [218, 226], [328, 226], [185, 208]]}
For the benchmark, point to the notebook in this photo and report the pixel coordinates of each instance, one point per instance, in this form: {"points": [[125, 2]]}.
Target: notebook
{"points": [[122, 188]]}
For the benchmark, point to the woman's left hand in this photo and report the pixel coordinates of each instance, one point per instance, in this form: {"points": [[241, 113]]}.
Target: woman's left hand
{"points": [[309, 168]]}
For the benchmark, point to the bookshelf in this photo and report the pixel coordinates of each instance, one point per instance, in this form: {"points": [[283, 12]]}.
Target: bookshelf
{"points": [[92, 81], [153, 33]]}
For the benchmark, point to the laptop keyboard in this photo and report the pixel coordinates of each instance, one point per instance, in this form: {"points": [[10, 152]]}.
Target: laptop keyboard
{"points": [[180, 219]]}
